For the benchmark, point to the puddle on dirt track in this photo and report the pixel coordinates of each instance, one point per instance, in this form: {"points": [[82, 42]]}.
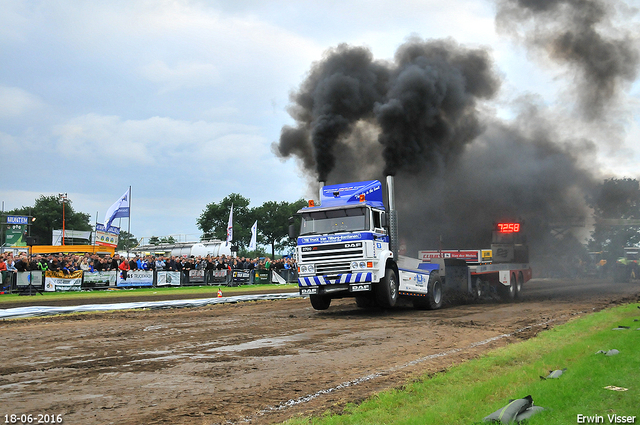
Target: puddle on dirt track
{"points": [[261, 362], [268, 342]]}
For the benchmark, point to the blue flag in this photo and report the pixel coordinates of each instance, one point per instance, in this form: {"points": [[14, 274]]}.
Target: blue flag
{"points": [[119, 209]]}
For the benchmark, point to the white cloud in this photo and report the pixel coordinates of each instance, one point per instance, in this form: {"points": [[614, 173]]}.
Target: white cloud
{"points": [[169, 40], [183, 75], [223, 111], [154, 141], [13, 23], [12, 199], [194, 152], [15, 102], [8, 143], [622, 161]]}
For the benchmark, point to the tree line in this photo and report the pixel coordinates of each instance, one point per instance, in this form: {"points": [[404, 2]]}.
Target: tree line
{"points": [[616, 198], [272, 217]]}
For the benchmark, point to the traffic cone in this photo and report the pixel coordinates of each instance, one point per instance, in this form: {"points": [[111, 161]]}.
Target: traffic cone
{"points": [[219, 293]]}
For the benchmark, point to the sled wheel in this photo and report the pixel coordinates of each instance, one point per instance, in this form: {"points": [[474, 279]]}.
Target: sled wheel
{"points": [[477, 288], [508, 293], [519, 284]]}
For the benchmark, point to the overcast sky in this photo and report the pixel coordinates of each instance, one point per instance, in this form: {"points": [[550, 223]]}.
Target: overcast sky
{"points": [[181, 100]]}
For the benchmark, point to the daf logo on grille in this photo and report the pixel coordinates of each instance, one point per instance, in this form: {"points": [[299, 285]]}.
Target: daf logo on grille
{"points": [[360, 288]]}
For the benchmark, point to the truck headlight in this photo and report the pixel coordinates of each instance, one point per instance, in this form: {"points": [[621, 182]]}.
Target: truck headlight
{"points": [[363, 265], [309, 268], [354, 264]]}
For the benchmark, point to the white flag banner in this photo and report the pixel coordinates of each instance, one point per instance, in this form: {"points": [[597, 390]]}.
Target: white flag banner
{"points": [[230, 226], [119, 209], [254, 236]]}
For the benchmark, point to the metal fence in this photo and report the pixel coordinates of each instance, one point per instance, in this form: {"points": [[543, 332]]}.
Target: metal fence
{"points": [[28, 282]]}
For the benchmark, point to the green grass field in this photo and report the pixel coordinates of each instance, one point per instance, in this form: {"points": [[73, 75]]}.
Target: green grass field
{"points": [[122, 292], [466, 393]]}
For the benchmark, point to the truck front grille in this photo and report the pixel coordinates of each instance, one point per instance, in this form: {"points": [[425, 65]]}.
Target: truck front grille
{"points": [[332, 270], [334, 259]]}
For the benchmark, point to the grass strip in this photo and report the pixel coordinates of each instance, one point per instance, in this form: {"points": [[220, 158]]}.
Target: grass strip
{"points": [[126, 292], [468, 392]]}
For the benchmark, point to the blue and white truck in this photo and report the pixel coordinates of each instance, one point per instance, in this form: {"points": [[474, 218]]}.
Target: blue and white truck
{"points": [[348, 247]]}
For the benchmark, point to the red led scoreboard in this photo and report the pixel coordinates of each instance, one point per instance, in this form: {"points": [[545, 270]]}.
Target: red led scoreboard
{"points": [[508, 227]]}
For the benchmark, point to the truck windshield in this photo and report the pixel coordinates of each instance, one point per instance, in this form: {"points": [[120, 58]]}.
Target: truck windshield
{"points": [[333, 221]]}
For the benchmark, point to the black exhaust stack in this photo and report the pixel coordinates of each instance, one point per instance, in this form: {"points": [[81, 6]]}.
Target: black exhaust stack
{"points": [[321, 183], [393, 218]]}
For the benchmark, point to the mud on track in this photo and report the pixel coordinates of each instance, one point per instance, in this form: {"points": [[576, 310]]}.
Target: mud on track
{"points": [[259, 362]]}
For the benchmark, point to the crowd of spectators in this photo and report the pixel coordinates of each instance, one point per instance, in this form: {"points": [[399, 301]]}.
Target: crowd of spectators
{"points": [[69, 263]]}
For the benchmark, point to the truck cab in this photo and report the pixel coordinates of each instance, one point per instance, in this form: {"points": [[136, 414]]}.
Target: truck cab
{"points": [[346, 248], [343, 243]]}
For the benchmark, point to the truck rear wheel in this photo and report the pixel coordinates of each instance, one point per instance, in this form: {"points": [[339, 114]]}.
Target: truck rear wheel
{"points": [[433, 300], [320, 302], [387, 290]]}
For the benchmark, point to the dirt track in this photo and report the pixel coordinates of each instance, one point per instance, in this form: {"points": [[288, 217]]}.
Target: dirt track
{"points": [[36, 300], [258, 362]]}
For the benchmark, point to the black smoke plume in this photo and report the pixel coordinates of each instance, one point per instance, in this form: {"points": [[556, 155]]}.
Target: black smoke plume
{"points": [[339, 91], [424, 104], [583, 35], [425, 117], [429, 111], [514, 171]]}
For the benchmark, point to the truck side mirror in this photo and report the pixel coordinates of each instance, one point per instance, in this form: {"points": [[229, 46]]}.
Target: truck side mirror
{"points": [[293, 233], [383, 220]]}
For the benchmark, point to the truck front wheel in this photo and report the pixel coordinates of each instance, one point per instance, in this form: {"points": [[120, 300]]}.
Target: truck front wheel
{"points": [[433, 300], [320, 302], [387, 290]]}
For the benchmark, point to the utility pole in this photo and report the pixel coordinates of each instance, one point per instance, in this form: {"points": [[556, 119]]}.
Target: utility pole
{"points": [[63, 198], [2, 229]]}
